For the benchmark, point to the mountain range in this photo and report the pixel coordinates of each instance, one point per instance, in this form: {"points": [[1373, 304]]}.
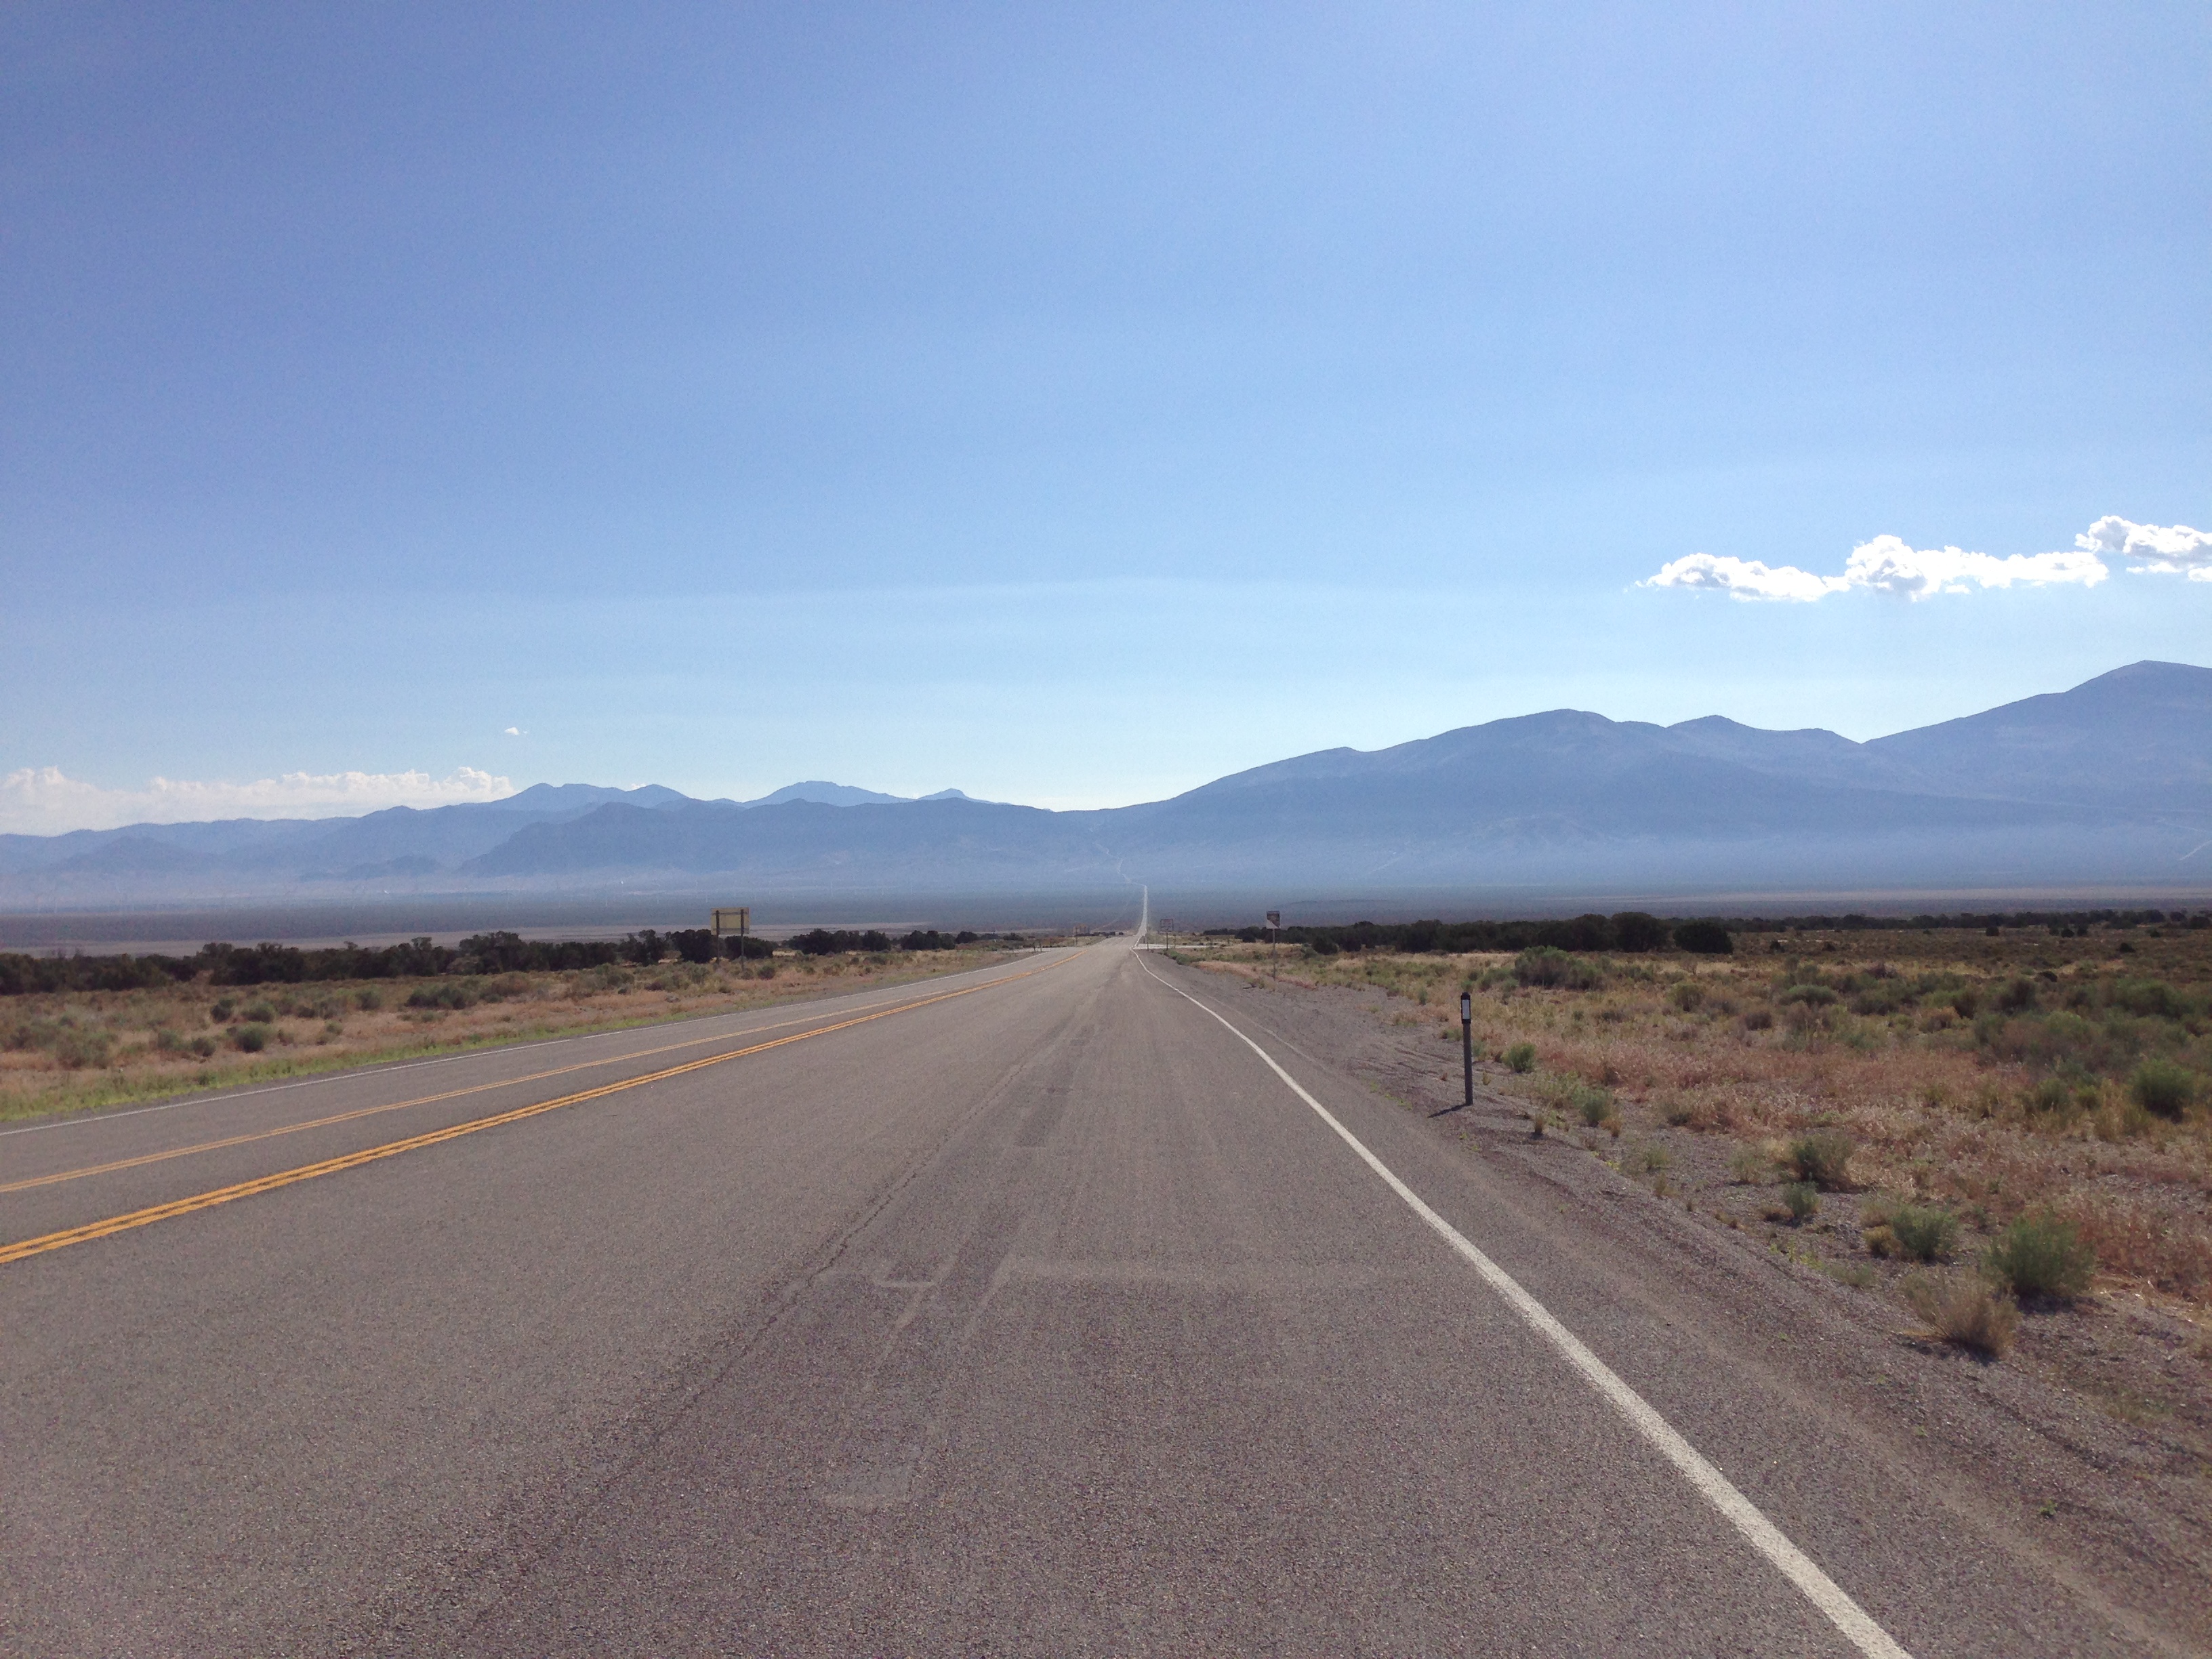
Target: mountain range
{"points": [[2109, 782]]}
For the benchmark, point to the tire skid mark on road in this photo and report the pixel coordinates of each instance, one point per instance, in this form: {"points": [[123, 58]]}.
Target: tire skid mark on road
{"points": [[1715, 1488], [112, 1224], [120, 1164]]}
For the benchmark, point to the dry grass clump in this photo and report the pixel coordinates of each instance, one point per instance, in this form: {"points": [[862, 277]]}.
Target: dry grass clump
{"points": [[1965, 1313]]}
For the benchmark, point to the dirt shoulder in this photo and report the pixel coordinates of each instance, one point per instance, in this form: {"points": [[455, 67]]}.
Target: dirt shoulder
{"points": [[2087, 1448]]}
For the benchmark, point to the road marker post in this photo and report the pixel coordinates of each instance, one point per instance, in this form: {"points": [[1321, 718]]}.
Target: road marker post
{"points": [[1466, 1042]]}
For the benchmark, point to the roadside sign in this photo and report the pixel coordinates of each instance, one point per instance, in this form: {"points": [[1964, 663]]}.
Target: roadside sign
{"points": [[738, 920], [1274, 918]]}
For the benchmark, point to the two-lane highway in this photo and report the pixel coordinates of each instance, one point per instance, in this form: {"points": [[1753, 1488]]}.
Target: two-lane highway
{"points": [[349, 1114], [1069, 1313]]}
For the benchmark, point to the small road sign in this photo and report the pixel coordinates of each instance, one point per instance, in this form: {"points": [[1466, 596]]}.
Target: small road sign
{"points": [[738, 920]]}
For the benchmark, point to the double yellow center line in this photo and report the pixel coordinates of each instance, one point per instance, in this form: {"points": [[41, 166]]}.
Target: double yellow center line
{"points": [[116, 1224]]}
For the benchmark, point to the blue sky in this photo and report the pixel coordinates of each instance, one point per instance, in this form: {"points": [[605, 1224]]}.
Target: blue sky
{"points": [[1067, 406]]}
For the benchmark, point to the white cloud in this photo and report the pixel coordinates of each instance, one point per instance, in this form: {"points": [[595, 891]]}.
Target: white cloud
{"points": [[1889, 564], [514, 732], [41, 800], [1745, 578], [2173, 550]]}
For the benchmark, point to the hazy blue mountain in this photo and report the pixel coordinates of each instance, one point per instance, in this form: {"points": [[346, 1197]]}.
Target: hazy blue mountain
{"points": [[1556, 797], [407, 839], [2110, 781], [2140, 736], [826, 794], [397, 840], [556, 798], [809, 842], [21, 853]]}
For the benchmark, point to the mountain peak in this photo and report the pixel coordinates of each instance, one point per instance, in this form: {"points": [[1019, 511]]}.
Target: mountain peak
{"points": [[825, 794]]}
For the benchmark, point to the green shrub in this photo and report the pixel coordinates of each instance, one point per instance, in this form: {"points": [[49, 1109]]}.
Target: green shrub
{"points": [[368, 1001], [169, 1042], [1880, 1000], [1802, 1199], [2041, 1254], [1521, 1057], [2163, 1087], [2151, 997], [1747, 1166], [250, 1039], [1595, 1104], [1822, 1157], [1923, 1232], [446, 993], [1549, 966], [221, 1010], [1815, 996], [259, 1013], [203, 1045], [1687, 994], [76, 1047]]}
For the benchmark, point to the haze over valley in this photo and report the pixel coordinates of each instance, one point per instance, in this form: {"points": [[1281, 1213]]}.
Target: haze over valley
{"points": [[2109, 783]]}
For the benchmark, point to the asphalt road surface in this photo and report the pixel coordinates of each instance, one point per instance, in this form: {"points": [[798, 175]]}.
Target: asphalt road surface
{"points": [[1032, 1312]]}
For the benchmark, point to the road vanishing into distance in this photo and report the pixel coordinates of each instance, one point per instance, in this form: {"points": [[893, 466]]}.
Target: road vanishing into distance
{"points": [[1065, 1307]]}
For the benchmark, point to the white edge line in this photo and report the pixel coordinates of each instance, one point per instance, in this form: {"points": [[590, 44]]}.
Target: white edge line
{"points": [[1715, 1487], [387, 1068]]}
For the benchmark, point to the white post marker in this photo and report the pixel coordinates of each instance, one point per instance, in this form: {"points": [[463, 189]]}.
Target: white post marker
{"points": [[1715, 1488], [1466, 1044]]}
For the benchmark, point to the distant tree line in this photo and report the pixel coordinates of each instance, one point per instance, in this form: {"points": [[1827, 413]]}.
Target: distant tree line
{"points": [[1630, 931], [1634, 930], [222, 963], [20, 976], [225, 963], [2071, 922], [824, 941]]}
